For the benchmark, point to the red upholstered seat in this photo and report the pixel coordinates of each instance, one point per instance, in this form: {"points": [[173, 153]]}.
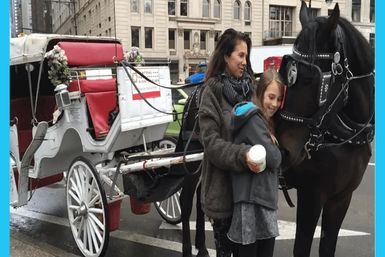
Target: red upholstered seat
{"points": [[88, 86], [21, 109], [101, 100], [100, 104], [88, 53]]}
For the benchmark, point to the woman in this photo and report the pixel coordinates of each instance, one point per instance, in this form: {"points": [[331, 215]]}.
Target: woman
{"points": [[229, 80], [254, 224]]}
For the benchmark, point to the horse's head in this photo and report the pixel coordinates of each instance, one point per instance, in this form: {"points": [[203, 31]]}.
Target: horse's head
{"points": [[317, 76]]}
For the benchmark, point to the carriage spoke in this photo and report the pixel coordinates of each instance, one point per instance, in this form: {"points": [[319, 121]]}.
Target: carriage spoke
{"points": [[81, 228], [87, 192], [74, 186], [96, 220], [74, 207], [93, 201], [168, 206], [92, 233], [176, 199], [72, 194], [83, 182], [78, 182], [76, 219], [90, 191], [85, 233], [96, 230], [172, 206], [96, 210], [89, 237]]}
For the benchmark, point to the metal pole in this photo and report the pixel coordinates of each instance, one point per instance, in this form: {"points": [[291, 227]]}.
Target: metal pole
{"points": [[74, 9]]}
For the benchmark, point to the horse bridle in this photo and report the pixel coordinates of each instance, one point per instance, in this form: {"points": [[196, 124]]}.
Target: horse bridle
{"points": [[358, 133]]}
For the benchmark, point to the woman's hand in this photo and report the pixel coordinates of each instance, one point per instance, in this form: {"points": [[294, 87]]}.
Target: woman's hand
{"points": [[254, 167]]}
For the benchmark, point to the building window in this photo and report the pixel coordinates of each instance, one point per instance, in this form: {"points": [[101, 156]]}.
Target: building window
{"points": [[248, 34], [171, 39], [186, 39], [372, 40], [135, 36], [171, 7], [147, 6], [372, 11], [203, 39], [280, 21], [183, 7], [247, 11], [148, 37], [216, 37], [205, 8], [314, 12], [217, 8], [237, 10], [356, 10], [135, 6]]}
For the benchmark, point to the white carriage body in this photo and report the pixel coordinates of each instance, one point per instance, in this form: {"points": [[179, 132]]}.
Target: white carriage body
{"points": [[136, 123]]}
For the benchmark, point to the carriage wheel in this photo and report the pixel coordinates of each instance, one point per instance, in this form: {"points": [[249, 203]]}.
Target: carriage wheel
{"points": [[87, 208], [167, 142], [169, 209]]}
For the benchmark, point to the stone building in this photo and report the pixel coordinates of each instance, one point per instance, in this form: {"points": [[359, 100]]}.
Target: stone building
{"points": [[184, 32]]}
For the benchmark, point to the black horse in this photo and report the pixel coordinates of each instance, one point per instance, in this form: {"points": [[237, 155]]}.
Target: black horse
{"points": [[188, 141], [326, 124]]}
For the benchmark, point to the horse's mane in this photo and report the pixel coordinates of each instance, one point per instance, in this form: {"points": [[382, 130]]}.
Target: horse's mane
{"points": [[359, 52]]}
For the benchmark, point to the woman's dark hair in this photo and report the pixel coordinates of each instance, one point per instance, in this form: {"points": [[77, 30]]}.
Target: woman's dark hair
{"points": [[225, 46]]}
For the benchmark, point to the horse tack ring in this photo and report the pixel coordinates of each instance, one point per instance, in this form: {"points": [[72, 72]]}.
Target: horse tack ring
{"points": [[336, 57], [292, 74]]}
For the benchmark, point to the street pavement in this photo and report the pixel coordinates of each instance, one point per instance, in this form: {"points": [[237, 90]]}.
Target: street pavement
{"points": [[41, 229]]}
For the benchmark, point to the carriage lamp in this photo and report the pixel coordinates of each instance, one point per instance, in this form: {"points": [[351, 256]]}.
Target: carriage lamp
{"points": [[62, 96]]}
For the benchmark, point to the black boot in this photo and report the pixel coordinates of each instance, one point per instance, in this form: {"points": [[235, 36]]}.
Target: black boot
{"points": [[223, 245]]}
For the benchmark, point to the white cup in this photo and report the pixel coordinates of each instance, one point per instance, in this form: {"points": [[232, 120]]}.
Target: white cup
{"points": [[257, 154]]}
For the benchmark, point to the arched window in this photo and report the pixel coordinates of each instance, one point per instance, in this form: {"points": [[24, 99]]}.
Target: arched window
{"points": [[247, 11], [217, 8], [206, 8], [237, 10]]}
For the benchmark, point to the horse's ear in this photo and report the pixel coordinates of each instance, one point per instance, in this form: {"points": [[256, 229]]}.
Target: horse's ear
{"points": [[303, 14], [332, 22]]}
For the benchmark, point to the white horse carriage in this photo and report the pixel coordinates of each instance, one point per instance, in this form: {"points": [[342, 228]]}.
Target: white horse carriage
{"points": [[77, 111]]}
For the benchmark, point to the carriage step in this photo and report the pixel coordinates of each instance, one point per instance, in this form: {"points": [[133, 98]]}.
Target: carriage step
{"points": [[38, 138]]}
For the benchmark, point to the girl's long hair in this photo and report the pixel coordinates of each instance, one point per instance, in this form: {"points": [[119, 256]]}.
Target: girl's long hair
{"points": [[266, 78]]}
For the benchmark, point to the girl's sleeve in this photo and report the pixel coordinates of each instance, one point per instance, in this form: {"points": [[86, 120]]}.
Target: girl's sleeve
{"points": [[256, 132]]}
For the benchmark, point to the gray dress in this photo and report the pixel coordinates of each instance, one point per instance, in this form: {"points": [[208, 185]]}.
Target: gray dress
{"points": [[252, 222]]}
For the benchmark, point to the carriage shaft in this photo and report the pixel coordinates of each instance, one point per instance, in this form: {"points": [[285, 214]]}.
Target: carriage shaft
{"points": [[154, 163]]}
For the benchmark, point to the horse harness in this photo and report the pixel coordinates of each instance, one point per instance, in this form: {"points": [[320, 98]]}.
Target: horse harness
{"points": [[342, 130]]}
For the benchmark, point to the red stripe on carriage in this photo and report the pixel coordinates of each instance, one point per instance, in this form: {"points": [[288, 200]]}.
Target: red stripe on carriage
{"points": [[88, 53], [153, 94]]}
